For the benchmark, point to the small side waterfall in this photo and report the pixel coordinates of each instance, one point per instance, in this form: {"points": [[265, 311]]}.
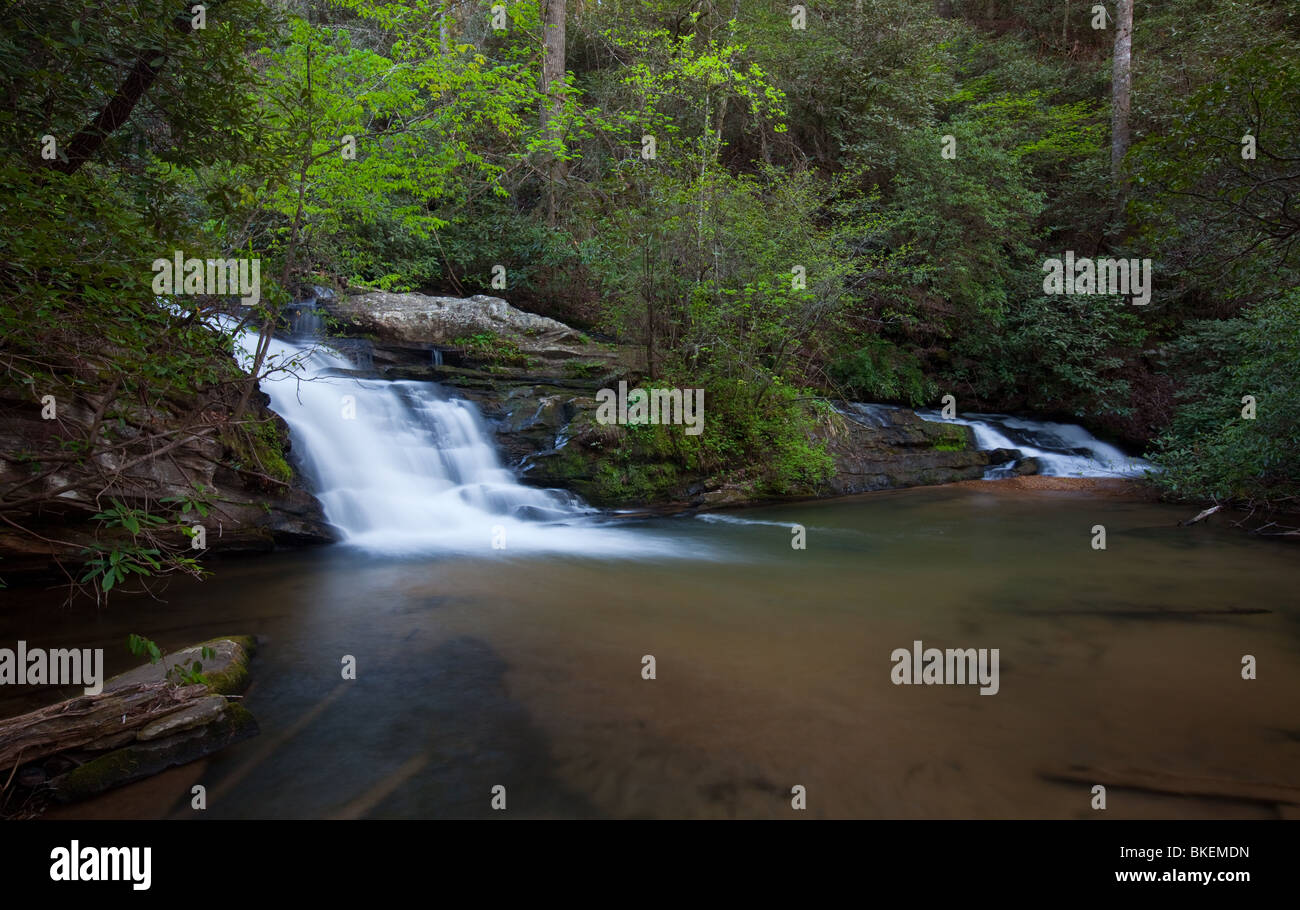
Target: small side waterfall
{"points": [[1062, 449]]}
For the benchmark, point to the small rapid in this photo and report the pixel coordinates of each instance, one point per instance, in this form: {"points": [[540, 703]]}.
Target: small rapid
{"points": [[1061, 449]]}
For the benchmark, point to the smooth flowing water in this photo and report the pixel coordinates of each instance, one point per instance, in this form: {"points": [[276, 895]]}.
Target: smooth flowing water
{"points": [[772, 667], [1061, 449], [523, 666], [405, 467]]}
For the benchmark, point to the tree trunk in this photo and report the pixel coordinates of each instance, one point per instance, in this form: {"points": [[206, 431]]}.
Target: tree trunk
{"points": [[144, 72], [1121, 86], [553, 49], [90, 138]]}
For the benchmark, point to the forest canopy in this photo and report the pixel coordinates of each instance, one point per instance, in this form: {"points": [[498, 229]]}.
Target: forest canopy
{"points": [[839, 199]]}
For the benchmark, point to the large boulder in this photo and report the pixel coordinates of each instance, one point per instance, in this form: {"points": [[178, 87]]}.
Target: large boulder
{"points": [[881, 448], [419, 319]]}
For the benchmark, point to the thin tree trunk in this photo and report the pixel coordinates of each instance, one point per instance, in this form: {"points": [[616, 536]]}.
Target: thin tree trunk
{"points": [[273, 315], [648, 277], [91, 137], [144, 72], [552, 85], [1121, 88]]}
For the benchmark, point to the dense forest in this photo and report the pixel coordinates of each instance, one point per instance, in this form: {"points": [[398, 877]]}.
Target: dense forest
{"points": [[780, 203]]}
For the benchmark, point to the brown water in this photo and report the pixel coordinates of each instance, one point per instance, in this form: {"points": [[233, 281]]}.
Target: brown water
{"points": [[773, 668]]}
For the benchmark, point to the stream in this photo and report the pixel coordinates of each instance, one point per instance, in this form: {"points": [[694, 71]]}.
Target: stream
{"points": [[521, 665]]}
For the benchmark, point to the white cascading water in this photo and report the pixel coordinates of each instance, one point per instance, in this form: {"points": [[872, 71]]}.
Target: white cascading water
{"points": [[414, 469], [1061, 449]]}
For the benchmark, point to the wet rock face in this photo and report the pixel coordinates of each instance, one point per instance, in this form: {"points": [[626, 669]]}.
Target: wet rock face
{"points": [[1026, 467], [895, 448], [247, 512], [541, 405]]}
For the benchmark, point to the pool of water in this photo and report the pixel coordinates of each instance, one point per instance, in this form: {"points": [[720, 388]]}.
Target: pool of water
{"points": [[773, 667]]}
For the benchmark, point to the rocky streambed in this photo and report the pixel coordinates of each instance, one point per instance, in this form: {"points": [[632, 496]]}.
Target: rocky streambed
{"points": [[536, 381]]}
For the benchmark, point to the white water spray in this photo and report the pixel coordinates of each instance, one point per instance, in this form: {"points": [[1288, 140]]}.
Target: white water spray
{"points": [[403, 467], [1061, 449]]}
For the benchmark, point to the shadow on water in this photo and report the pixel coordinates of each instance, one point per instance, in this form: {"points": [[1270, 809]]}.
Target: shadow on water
{"points": [[399, 743]]}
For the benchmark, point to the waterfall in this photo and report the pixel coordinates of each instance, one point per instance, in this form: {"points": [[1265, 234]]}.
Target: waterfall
{"points": [[1062, 449], [407, 467]]}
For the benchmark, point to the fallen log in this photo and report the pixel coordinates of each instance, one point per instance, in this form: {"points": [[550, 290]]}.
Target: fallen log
{"points": [[140, 724], [88, 719], [1178, 784], [1201, 517], [1152, 613]]}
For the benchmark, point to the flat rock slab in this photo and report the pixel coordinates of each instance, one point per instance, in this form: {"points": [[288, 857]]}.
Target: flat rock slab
{"points": [[145, 759], [226, 670]]}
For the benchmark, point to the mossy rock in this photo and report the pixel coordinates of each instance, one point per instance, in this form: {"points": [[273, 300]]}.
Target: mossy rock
{"points": [[145, 759], [952, 438], [226, 671], [234, 679]]}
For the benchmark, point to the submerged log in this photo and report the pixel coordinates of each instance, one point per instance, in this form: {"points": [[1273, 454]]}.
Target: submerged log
{"points": [[1178, 784], [144, 758], [1151, 613], [1201, 517]]}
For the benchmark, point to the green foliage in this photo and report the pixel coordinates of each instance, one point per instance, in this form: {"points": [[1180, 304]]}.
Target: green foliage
{"points": [[191, 674], [181, 674], [1211, 449], [769, 450], [584, 369], [493, 349], [109, 564], [257, 446], [772, 436], [1226, 220], [139, 646], [881, 371], [197, 503], [1063, 352]]}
